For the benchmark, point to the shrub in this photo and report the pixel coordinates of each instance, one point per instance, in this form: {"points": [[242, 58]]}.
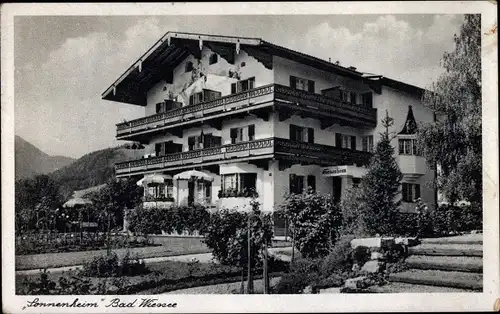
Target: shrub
{"points": [[174, 219], [110, 265], [303, 272], [361, 255], [227, 235], [315, 221], [340, 257]]}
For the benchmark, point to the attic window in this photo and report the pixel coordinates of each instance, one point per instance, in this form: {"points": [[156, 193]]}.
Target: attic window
{"points": [[189, 66], [213, 58], [243, 64]]}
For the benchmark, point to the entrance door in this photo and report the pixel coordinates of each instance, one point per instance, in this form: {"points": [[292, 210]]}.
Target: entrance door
{"points": [[337, 188], [190, 192]]}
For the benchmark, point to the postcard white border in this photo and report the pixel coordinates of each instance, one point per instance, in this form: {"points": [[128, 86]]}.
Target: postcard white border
{"points": [[271, 303]]}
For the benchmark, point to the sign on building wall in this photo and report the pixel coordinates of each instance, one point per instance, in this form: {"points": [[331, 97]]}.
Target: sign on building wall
{"points": [[335, 171]]}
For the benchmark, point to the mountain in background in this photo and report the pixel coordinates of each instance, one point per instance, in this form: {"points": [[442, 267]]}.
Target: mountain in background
{"points": [[92, 169], [30, 161]]}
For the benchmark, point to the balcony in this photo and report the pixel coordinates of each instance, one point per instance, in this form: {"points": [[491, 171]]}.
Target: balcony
{"points": [[266, 97], [279, 148]]}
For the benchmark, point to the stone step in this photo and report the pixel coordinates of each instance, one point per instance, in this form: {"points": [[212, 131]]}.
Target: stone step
{"points": [[401, 287], [462, 239], [449, 263], [452, 279], [439, 249]]}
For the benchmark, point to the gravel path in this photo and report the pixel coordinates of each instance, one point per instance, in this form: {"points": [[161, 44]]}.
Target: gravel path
{"points": [[225, 288], [399, 287]]}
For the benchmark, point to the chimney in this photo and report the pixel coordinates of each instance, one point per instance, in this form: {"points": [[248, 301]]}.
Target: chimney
{"points": [[352, 68], [330, 60]]}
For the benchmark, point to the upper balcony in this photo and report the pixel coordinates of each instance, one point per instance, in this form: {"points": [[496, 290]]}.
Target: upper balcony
{"points": [[278, 148], [261, 101]]}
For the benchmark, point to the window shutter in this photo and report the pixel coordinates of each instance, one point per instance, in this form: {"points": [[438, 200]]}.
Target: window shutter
{"points": [[353, 98], [311, 182], [158, 148], [364, 143], [310, 86], [368, 99], [233, 133], [353, 142], [404, 191], [293, 81], [251, 132], [338, 140], [158, 107], [417, 191], [292, 132], [292, 184], [310, 135], [233, 88]]}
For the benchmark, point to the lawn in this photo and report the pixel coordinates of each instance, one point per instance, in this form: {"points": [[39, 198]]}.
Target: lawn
{"points": [[166, 246]]}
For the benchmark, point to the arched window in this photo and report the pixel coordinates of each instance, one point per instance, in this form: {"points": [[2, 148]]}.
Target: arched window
{"points": [[189, 66]]}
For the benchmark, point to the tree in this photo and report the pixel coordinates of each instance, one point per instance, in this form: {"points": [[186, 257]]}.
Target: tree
{"points": [[380, 188], [35, 199], [114, 198], [314, 219], [453, 142]]}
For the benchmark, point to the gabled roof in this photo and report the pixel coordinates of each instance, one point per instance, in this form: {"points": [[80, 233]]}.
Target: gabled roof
{"points": [[173, 47], [410, 126]]}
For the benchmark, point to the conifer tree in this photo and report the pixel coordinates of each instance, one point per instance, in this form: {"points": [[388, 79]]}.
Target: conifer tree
{"points": [[380, 187]]}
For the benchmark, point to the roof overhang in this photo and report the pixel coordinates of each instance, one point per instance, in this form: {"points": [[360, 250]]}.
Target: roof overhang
{"points": [[172, 48]]}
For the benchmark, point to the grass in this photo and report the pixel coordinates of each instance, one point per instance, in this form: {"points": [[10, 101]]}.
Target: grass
{"points": [[165, 246]]}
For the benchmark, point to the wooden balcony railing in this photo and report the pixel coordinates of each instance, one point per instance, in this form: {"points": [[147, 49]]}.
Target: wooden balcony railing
{"points": [[269, 147], [248, 99]]}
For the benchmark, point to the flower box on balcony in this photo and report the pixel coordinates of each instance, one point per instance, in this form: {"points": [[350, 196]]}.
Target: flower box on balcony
{"points": [[151, 198], [235, 193]]}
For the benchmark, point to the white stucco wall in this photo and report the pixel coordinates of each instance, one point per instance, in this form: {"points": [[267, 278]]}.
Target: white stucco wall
{"points": [[283, 68], [217, 78]]}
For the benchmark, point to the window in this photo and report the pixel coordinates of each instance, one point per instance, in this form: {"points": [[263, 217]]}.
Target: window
{"points": [[302, 84], [211, 141], [344, 96], [242, 86], [236, 135], [238, 184], [367, 100], [367, 143], [194, 142], [296, 184], [160, 149], [196, 98], [356, 182], [352, 98], [345, 141], [251, 132], [188, 67], [301, 134], [160, 191], [213, 58], [159, 107], [204, 95], [410, 192], [408, 146], [311, 182]]}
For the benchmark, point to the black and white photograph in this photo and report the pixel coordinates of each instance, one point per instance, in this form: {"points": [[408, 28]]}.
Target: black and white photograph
{"points": [[156, 162]]}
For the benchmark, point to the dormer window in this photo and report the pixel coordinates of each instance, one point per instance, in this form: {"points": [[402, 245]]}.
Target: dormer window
{"points": [[213, 58], [189, 66]]}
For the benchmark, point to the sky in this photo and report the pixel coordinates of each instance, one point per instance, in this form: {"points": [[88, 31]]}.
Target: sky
{"points": [[64, 63]]}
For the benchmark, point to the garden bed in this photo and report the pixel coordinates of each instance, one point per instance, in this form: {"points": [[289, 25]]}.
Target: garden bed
{"points": [[162, 277]]}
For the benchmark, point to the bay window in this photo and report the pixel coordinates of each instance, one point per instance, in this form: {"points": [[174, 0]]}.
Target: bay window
{"points": [[408, 146]]}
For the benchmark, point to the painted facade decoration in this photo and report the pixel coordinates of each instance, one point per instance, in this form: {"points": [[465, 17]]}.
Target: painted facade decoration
{"points": [[276, 122]]}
